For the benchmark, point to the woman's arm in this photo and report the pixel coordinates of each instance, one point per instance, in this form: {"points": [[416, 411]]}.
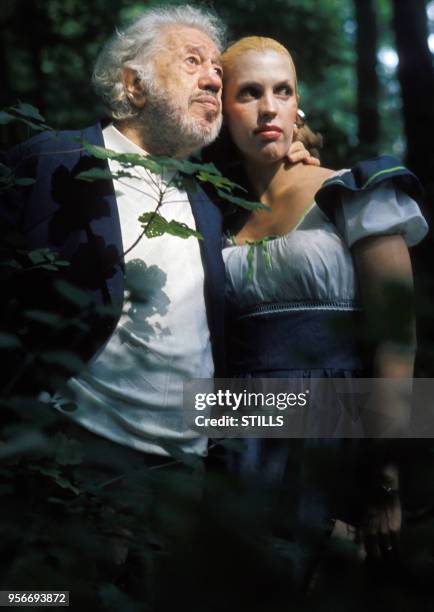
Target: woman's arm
{"points": [[386, 283], [383, 262]]}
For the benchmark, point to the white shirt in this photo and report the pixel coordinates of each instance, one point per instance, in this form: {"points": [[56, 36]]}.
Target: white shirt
{"points": [[132, 392]]}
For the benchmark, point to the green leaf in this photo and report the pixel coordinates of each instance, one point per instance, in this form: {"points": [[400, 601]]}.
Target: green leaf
{"points": [[56, 475], [128, 160], [38, 127], [24, 182], [36, 257], [185, 166], [6, 118], [11, 263], [68, 451], [153, 163], [72, 293], [42, 316], [99, 174], [156, 225], [51, 256], [39, 256], [96, 151], [5, 172], [219, 181], [49, 267], [186, 183], [29, 111], [242, 202], [28, 441], [9, 340]]}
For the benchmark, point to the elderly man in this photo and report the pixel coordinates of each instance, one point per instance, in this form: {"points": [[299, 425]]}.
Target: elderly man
{"points": [[149, 312], [161, 80]]}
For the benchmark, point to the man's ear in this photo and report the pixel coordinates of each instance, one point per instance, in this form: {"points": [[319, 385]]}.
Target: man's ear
{"points": [[133, 87]]}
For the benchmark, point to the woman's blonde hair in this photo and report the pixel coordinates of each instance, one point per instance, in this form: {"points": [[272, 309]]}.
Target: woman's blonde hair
{"points": [[261, 44]]}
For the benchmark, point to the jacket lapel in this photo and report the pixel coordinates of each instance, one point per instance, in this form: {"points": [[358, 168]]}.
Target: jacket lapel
{"points": [[208, 220], [104, 230]]}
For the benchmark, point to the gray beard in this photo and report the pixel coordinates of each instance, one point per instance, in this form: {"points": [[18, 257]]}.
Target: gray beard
{"points": [[167, 130]]}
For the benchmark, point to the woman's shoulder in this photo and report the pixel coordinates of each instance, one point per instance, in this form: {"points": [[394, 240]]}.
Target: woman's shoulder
{"points": [[316, 172], [367, 177], [313, 177], [369, 173], [375, 197]]}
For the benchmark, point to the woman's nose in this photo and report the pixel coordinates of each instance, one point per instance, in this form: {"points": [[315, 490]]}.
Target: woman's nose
{"points": [[267, 106]]}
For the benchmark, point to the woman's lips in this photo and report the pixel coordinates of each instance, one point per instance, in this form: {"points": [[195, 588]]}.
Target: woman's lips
{"points": [[268, 132]]}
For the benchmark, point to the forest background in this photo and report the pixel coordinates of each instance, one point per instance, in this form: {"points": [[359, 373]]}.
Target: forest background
{"points": [[365, 68], [367, 84]]}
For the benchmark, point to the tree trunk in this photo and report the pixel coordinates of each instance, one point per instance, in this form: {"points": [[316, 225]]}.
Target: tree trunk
{"points": [[367, 79], [416, 76]]}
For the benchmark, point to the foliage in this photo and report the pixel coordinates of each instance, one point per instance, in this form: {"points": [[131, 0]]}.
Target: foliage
{"points": [[65, 38], [24, 113], [55, 516], [184, 171]]}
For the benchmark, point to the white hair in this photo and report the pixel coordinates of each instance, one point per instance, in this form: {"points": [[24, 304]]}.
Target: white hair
{"points": [[134, 48]]}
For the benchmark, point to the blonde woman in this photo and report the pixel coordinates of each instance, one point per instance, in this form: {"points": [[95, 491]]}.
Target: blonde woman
{"points": [[325, 250]]}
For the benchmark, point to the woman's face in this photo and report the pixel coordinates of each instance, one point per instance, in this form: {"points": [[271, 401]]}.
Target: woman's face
{"points": [[260, 105]]}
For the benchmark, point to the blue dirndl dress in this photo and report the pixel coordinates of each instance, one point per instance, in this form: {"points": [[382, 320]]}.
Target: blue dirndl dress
{"points": [[286, 297]]}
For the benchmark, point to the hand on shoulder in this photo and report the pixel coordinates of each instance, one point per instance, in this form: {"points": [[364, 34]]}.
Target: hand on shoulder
{"points": [[298, 153]]}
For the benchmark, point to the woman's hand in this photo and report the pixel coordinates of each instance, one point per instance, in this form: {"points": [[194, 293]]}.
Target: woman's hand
{"points": [[380, 529], [298, 153], [381, 526]]}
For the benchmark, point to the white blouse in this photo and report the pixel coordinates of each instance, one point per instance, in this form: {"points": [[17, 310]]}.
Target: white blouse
{"points": [[312, 263]]}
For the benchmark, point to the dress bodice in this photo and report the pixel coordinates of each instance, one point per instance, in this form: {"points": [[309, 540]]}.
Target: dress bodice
{"points": [[311, 263]]}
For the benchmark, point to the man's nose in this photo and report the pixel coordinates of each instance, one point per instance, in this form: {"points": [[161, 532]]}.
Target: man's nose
{"points": [[210, 79]]}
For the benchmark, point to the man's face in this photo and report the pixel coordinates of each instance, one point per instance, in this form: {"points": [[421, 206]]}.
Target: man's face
{"points": [[188, 82], [188, 68]]}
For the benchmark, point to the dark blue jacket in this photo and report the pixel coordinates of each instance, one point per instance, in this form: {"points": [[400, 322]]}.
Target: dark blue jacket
{"points": [[80, 221]]}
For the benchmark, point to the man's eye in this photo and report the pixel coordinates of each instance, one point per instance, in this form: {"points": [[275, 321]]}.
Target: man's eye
{"points": [[193, 60], [218, 71]]}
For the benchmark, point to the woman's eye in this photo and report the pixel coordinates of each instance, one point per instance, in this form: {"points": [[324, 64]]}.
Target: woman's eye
{"points": [[284, 90], [248, 92]]}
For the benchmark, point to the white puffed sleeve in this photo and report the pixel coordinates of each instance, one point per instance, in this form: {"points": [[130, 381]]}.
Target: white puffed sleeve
{"points": [[379, 211]]}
